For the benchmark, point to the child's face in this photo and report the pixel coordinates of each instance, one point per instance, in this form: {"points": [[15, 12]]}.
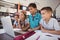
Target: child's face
{"points": [[21, 16], [16, 18], [32, 10], [45, 14]]}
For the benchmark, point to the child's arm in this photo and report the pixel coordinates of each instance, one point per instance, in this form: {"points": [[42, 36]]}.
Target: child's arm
{"points": [[27, 25], [50, 31], [53, 32], [25, 28], [37, 28], [19, 25], [14, 26]]}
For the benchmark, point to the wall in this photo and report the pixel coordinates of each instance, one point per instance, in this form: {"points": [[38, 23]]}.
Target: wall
{"points": [[51, 3], [58, 12], [10, 10], [40, 3]]}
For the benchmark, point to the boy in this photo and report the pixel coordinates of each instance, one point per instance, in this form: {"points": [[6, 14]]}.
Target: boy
{"points": [[34, 18], [49, 24]]}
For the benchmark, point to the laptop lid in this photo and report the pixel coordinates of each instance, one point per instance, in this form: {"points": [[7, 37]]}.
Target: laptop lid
{"points": [[7, 25]]}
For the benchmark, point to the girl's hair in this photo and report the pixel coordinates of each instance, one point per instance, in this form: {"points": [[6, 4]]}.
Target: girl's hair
{"points": [[25, 15]]}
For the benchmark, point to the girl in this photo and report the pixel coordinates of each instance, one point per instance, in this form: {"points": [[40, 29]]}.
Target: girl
{"points": [[15, 24], [23, 22]]}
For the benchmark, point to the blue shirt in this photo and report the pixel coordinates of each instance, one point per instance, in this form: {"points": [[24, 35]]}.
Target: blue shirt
{"points": [[34, 20]]}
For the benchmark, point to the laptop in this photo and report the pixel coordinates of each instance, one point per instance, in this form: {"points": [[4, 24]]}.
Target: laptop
{"points": [[7, 25]]}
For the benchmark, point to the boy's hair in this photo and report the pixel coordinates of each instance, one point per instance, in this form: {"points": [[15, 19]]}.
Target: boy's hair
{"points": [[32, 5], [47, 8]]}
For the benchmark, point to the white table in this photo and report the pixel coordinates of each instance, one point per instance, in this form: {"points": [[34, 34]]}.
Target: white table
{"points": [[43, 36], [37, 34]]}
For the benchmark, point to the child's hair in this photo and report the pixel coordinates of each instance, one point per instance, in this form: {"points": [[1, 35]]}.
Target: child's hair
{"points": [[32, 5], [25, 15], [47, 9]]}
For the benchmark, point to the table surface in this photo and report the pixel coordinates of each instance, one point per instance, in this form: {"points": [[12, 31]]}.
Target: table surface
{"points": [[5, 37]]}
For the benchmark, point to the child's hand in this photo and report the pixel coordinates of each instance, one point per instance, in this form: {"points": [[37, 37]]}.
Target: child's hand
{"points": [[43, 29], [30, 29], [18, 20]]}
